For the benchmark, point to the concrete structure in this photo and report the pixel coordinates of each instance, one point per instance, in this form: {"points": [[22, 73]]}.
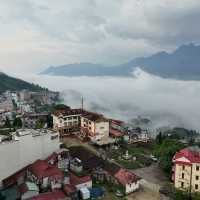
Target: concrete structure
{"points": [[128, 180], [67, 121], [186, 169], [25, 147], [94, 126]]}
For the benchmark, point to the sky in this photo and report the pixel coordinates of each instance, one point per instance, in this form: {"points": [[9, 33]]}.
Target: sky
{"points": [[36, 34]]}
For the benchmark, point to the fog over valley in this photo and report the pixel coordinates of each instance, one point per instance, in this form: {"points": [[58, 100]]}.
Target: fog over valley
{"points": [[166, 102]]}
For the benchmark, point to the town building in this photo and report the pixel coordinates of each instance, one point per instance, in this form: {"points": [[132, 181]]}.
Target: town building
{"points": [[186, 169], [45, 175], [96, 127], [128, 180], [116, 128], [24, 147], [30, 120], [67, 121]]}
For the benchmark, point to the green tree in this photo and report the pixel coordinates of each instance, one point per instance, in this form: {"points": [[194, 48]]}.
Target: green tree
{"points": [[159, 138], [7, 123], [39, 124], [17, 122], [166, 151], [49, 121]]}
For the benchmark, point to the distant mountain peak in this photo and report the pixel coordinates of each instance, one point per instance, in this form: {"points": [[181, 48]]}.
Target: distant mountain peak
{"points": [[183, 63]]}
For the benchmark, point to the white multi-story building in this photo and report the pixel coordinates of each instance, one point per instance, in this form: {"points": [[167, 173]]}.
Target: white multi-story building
{"points": [[26, 147], [67, 121]]}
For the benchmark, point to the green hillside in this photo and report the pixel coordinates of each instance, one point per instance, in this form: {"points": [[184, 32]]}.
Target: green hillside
{"points": [[13, 84]]}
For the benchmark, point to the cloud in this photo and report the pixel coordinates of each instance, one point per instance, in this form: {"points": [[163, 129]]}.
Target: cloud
{"points": [[38, 33], [164, 101]]}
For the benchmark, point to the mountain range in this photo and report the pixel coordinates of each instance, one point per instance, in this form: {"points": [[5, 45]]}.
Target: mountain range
{"points": [[14, 84], [183, 63]]}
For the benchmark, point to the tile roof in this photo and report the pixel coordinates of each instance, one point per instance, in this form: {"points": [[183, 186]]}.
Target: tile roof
{"points": [[57, 195], [94, 116], [117, 122], [69, 189], [68, 111], [191, 155], [77, 180], [42, 169], [116, 133], [125, 177]]}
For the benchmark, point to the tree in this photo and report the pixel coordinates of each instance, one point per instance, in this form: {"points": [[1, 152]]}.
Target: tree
{"points": [[17, 122], [159, 138], [49, 121], [7, 123], [166, 150], [39, 124]]}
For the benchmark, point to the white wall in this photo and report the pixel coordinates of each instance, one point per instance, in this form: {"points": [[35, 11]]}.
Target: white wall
{"points": [[87, 185], [16, 155], [132, 187], [102, 128]]}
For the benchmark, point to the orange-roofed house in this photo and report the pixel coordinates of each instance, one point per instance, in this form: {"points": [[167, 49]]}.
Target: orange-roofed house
{"points": [[128, 180]]}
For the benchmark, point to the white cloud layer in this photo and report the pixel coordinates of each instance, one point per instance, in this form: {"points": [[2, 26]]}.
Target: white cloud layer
{"points": [[38, 33], [165, 101]]}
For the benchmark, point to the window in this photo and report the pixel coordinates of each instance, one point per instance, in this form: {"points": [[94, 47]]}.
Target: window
{"points": [[197, 178], [197, 168], [183, 175], [182, 184], [183, 167], [196, 186]]}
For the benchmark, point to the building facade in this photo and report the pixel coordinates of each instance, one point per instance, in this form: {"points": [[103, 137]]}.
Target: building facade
{"points": [[67, 121], [25, 147], [186, 170]]}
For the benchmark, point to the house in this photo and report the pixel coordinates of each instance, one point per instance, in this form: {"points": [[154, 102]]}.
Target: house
{"points": [[45, 175], [96, 127], [16, 179], [28, 190], [26, 146], [80, 181], [30, 120], [56, 195], [128, 180], [67, 120], [138, 135], [186, 169]]}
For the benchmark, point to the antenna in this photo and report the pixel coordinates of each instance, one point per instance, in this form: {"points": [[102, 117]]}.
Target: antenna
{"points": [[82, 103]]}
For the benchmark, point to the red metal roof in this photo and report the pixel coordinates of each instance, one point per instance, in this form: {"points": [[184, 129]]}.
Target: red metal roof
{"points": [[57, 195], [117, 122], [116, 133], [69, 189], [11, 180], [23, 188], [192, 156], [42, 169], [125, 177], [76, 180]]}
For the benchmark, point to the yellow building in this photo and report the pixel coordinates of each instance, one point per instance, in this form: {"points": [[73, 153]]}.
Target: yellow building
{"points": [[186, 169]]}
